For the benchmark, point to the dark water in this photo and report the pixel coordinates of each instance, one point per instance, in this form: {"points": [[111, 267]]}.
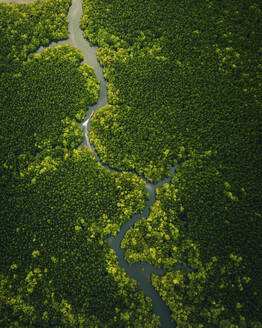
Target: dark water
{"points": [[141, 272], [135, 270]]}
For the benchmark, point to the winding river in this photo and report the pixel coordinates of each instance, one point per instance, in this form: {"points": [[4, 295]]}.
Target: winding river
{"points": [[141, 272]]}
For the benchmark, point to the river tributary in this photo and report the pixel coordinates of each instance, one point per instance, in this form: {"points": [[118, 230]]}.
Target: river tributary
{"points": [[141, 272]]}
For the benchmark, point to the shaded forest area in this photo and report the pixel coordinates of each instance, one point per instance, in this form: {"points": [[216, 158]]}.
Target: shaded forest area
{"points": [[58, 204], [184, 86], [184, 80]]}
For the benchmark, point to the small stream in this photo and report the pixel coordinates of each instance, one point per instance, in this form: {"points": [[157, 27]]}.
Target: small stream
{"points": [[141, 272]]}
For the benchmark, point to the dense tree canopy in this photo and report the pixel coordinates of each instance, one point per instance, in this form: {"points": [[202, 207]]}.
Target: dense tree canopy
{"points": [[184, 81], [23, 28], [184, 86], [198, 221], [187, 76], [58, 204]]}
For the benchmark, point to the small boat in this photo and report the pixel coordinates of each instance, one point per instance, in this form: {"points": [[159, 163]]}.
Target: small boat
{"points": [[93, 112]]}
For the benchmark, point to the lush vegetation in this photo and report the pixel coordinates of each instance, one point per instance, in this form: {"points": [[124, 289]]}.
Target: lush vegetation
{"points": [[188, 75], [184, 81], [23, 29], [38, 115], [185, 84], [56, 266], [58, 204], [197, 221]]}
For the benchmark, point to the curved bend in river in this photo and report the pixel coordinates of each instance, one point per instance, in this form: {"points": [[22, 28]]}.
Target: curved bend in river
{"points": [[138, 271]]}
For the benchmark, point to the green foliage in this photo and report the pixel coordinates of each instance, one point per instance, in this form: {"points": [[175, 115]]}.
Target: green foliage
{"points": [[54, 237], [194, 223], [24, 28], [184, 82], [170, 84], [58, 204], [37, 113]]}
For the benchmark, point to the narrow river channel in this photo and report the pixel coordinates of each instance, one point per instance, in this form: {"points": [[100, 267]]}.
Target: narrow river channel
{"points": [[141, 272]]}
